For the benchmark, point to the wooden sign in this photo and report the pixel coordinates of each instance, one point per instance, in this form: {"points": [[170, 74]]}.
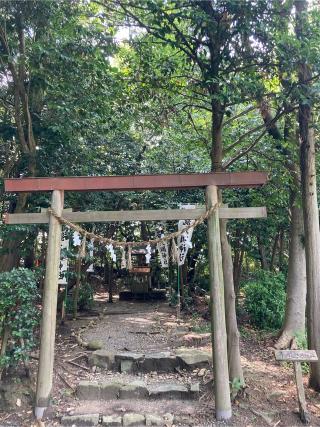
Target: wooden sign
{"points": [[296, 355]]}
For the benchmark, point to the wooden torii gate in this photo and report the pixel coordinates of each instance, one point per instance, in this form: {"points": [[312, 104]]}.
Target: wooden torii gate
{"points": [[57, 185]]}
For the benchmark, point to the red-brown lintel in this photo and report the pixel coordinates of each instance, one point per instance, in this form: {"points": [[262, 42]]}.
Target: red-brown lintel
{"points": [[136, 182]]}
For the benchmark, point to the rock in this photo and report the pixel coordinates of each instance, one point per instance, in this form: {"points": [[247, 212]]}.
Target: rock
{"points": [[14, 393], [110, 390], [202, 372], [132, 419], [168, 419], [154, 420], [112, 421], [94, 345], [193, 339], [159, 362], [168, 391], [80, 420], [126, 366], [88, 390], [183, 420], [195, 388], [193, 358], [134, 390], [101, 358]]}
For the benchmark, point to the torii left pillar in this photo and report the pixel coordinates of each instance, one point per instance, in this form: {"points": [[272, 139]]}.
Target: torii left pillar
{"points": [[49, 309]]}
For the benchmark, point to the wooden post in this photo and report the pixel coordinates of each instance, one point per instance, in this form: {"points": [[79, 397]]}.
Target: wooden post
{"points": [[217, 312], [49, 309]]}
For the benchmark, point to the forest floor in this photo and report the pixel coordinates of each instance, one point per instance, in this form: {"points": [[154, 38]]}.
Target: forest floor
{"points": [[268, 400]]}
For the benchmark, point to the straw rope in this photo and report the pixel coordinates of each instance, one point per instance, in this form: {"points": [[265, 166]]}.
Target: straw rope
{"points": [[123, 244]]}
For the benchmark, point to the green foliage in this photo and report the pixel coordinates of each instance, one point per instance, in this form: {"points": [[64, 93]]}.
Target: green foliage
{"points": [[85, 301], [235, 387], [265, 300], [19, 313]]}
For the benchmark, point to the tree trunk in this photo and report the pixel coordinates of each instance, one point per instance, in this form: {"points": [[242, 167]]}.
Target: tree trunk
{"points": [[274, 250], [110, 282], [233, 336], [309, 200], [263, 256], [76, 289], [281, 249], [296, 286]]}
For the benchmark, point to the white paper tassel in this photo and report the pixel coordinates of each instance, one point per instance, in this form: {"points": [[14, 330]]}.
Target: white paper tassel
{"points": [[112, 252], [90, 269], [129, 259], [123, 258], [148, 254], [174, 251], [76, 239]]}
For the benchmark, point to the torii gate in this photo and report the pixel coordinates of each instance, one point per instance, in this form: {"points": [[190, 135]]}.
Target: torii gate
{"points": [[210, 181]]}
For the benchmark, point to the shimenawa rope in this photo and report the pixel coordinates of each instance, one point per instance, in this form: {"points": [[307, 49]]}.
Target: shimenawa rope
{"points": [[119, 243]]}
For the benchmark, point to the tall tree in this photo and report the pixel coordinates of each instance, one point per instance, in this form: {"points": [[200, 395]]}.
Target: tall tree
{"points": [[309, 189]]}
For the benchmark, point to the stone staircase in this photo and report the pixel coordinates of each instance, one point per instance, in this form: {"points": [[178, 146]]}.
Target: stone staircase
{"points": [[127, 390]]}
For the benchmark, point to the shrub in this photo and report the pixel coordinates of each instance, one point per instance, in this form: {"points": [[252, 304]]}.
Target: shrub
{"points": [[19, 314], [265, 299], [85, 299]]}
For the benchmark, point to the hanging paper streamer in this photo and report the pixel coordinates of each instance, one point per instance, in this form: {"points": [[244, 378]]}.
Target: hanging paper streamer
{"points": [[112, 252], [129, 259], [63, 263], [90, 269], [184, 240], [76, 239], [123, 258], [163, 248], [82, 251], [148, 254], [174, 251]]}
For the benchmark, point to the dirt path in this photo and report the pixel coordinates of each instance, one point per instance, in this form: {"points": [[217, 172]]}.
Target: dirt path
{"points": [[269, 399]]}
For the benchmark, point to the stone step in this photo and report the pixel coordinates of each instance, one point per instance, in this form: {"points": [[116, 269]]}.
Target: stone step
{"points": [[108, 390], [129, 419], [162, 362]]}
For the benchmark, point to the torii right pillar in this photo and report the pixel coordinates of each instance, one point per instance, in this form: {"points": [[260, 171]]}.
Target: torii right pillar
{"points": [[217, 311]]}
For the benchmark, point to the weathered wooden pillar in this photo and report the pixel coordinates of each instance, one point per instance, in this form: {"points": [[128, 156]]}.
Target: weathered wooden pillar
{"points": [[217, 312], [49, 309]]}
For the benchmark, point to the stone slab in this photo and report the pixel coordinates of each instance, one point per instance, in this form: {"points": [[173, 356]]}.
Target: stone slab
{"points": [[159, 362], [88, 390], [193, 358], [126, 366], [110, 390], [134, 390], [169, 391], [128, 355], [112, 421], [133, 419], [80, 420]]}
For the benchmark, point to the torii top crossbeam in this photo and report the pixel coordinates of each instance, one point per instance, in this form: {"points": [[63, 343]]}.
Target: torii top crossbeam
{"points": [[137, 182]]}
